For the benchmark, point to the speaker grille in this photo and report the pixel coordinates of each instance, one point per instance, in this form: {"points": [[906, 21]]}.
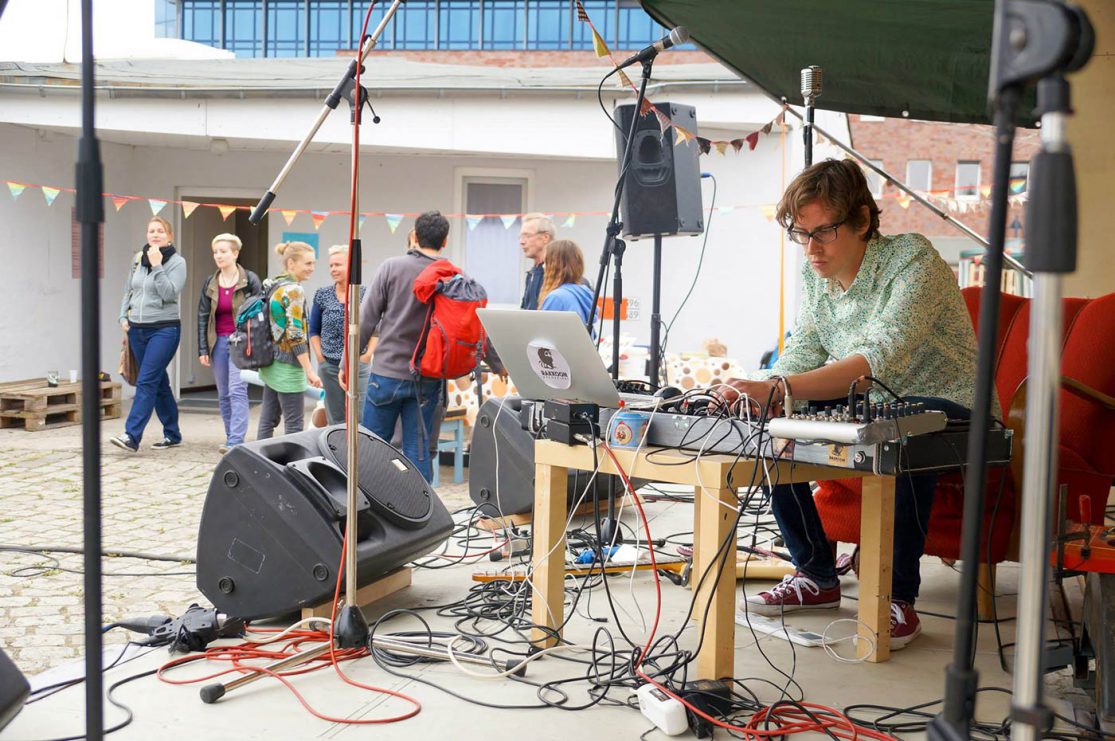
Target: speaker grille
{"points": [[394, 487]]}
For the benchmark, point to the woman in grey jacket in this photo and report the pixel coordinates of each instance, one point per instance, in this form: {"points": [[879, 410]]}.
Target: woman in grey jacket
{"points": [[149, 315]]}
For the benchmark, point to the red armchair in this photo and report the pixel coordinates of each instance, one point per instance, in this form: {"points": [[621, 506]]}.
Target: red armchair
{"points": [[1086, 448]]}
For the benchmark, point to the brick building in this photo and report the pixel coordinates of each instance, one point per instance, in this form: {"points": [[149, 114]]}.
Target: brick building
{"points": [[952, 162]]}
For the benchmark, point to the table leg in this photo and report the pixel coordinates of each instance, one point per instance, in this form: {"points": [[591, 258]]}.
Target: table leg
{"points": [[696, 570], [876, 557], [551, 507], [715, 523], [459, 452]]}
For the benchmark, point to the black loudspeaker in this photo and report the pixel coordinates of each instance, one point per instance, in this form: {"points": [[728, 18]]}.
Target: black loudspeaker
{"points": [[274, 517], [662, 192], [13, 690], [498, 431]]}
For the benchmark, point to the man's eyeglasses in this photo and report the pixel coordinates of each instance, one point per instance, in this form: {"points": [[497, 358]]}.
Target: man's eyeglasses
{"points": [[821, 235]]}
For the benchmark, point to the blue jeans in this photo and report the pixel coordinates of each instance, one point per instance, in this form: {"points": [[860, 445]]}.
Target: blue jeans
{"points": [[232, 393], [154, 348], [805, 537], [415, 402]]}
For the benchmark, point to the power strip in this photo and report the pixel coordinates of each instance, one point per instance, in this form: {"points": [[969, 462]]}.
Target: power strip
{"points": [[662, 710], [770, 626]]}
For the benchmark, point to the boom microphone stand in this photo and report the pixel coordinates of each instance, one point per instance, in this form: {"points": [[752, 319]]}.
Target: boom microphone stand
{"points": [[1033, 40]]}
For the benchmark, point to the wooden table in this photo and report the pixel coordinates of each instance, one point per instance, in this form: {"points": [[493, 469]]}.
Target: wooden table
{"points": [[714, 518]]}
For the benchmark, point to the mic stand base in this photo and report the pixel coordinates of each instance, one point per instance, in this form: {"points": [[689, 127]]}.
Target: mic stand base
{"points": [[351, 630]]}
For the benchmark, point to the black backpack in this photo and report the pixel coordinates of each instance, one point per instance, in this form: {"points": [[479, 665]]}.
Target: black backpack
{"points": [[251, 346]]}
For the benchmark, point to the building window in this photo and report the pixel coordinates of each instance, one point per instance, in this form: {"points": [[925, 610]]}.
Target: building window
{"points": [[386, 40], [286, 28], [967, 179], [166, 19], [458, 24], [549, 24], [243, 24], [415, 24], [919, 174], [1019, 178], [505, 24], [603, 15], [202, 22], [636, 28], [329, 32], [875, 181], [492, 253]]}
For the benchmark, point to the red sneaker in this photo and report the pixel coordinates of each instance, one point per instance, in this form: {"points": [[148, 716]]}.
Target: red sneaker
{"points": [[797, 592], [848, 562], [905, 625]]}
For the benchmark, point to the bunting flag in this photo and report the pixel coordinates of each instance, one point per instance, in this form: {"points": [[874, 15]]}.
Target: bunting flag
{"points": [[473, 220], [704, 144], [119, 202], [582, 14], [320, 216], [646, 108], [16, 189], [752, 140], [393, 221], [226, 211], [288, 215], [570, 220], [188, 208], [682, 136], [598, 44], [624, 80], [360, 223], [985, 191], [156, 204], [664, 121], [768, 212], [737, 144], [508, 220], [904, 200], [766, 129], [50, 194], [721, 147]]}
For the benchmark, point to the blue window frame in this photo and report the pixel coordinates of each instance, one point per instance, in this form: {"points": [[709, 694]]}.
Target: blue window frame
{"points": [[166, 19], [286, 28], [329, 29], [243, 22], [359, 8], [458, 24], [603, 15], [202, 22], [548, 24], [504, 24], [416, 24]]}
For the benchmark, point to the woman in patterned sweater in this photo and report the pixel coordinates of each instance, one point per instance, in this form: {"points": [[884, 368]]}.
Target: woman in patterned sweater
{"points": [[285, 380], [882, 306]]}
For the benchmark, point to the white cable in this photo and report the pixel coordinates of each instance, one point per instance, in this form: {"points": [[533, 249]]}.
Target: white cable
{"points": [[517, 668], [828, 643]]}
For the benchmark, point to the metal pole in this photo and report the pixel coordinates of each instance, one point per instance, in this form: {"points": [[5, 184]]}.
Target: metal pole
{"points": [[655, 369]]}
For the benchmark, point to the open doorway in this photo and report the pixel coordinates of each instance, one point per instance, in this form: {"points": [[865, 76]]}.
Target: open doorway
{"points": [[196, 385]]}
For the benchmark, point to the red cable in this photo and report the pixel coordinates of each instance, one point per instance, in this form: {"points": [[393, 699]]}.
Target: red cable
{"points": [[829, 719]]}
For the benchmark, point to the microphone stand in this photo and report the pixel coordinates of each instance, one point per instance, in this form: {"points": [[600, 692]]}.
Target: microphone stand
{"points": [[810, 96], [90, 214], [614, 248], [1042, 41]]}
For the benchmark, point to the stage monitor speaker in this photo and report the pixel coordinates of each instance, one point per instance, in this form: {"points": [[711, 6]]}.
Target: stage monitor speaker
{"points": [[498, 432], [662, 192], [13, 689], [274, 517]]}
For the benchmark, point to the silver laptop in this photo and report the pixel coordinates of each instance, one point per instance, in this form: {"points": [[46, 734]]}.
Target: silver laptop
{"points": [[549, 355]]}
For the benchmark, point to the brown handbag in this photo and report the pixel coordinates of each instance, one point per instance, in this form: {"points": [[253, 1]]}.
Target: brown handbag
{"points": [[129, 368]]}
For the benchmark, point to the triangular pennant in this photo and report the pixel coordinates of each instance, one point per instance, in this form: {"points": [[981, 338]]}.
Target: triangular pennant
{"points": [[289, 215], [752, 140], [624, 80], [904, 200], [598, 45], [50, 194], [985, 191], [726, 209], [156, 205], [393, 221], [188, 208], [582, 14], [360, 222], [473, 220], [704, 144], [646, 107], [682, 135], [508, 220], [737, 144], [768, 212], [766, 129], [320, 216], [664, 122], [570, 220], [721, 147], [226, 211], [119, 201], [16, 189]]}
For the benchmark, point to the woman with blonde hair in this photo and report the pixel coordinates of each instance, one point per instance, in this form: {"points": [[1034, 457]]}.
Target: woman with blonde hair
{"points": [[562, 289], [221, 298], [327, 337], [149, 317], [285, 380]]}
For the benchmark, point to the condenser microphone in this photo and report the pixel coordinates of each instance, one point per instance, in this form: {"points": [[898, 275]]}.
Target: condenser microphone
{"points": [[811, 78], [678, 36]]}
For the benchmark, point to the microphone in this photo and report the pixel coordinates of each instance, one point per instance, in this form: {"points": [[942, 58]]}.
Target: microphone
{"points": [[811, 78], [678, 36]]}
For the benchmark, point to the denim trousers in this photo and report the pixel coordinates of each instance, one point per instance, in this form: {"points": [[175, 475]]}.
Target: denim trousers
{"points": [[232, 393], [154, 348], [800, 523], [335, 395], [415, 403]]}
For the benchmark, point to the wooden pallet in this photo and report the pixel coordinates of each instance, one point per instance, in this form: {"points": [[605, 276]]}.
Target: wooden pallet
{"points": [[494, 524], [367, 594], [34, 405]]}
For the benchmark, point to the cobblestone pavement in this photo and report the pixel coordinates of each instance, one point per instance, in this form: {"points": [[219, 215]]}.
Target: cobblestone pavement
{"points": [[151, 503]]}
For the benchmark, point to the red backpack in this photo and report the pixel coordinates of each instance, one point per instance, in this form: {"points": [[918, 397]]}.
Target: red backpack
{"points": [[453, 339]]}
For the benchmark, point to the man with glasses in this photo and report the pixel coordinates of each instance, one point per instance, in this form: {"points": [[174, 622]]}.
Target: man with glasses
{"points": [[536, 233], [873, 307]]}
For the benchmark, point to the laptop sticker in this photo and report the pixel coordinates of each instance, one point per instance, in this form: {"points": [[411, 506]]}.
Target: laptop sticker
{"points": [[549, 364]]}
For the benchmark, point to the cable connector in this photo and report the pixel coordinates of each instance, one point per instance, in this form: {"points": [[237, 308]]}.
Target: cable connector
{"points": [[146, 625]]}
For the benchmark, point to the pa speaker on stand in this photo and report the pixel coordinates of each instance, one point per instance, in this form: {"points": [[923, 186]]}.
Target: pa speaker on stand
{"points": [[13, 690], [274, 517], [662, 192]]}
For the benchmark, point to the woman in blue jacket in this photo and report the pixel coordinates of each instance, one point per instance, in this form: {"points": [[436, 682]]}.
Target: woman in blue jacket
{"points": [[149, 316], [562, 287]]}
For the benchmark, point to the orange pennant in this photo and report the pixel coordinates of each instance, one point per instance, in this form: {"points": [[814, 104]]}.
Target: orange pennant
{"points": [[226, 211], [188, 208], [985, 191], [625, 80], [289, 216], [119, 202], [768, 212]]}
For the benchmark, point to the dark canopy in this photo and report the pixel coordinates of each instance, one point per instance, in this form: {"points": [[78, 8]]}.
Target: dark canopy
{"points": [[926, 59]]}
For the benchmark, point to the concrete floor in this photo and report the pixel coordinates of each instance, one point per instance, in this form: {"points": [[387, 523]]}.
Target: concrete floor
{"points": [[266, 710]]}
